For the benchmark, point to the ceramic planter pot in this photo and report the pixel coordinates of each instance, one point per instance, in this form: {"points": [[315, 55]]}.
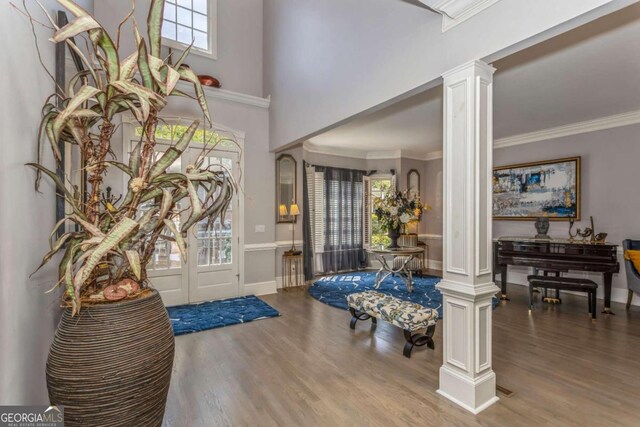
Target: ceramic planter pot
{"points": [[111, 364]]}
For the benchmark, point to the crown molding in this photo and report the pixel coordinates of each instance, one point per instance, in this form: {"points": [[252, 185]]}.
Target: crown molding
{"points": [[603, 123], [455, 12], [228, 95], [361, 154], [210, 92]]}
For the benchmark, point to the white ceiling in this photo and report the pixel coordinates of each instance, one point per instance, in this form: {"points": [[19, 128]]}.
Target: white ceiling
{"points": [[588, 73]]}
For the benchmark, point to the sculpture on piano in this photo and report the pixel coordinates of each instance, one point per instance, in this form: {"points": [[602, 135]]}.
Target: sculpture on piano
{"points": [[586, 233]]}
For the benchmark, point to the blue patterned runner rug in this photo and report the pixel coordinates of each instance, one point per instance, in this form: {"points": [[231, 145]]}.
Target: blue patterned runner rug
{"points": [[190, 318]]}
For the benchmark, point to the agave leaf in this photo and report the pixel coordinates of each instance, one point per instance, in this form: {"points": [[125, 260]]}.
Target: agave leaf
{"points": [[46, 126], [72, 7], [196, 206], [56, 247], [119, 232], [134, 262], [75, 27], [55, 178], [128, 66], [135, 110], [93, 241], [172, 79], [187, 74], [71, 91], [134, 159], [154, 26], [84, 113], [174, 152], [53, 140], [83, 95], [68, 278], [124, 168], [151, 194], [148, 215], [143, 65], [179, 240], [111, 62], [92, 229], [184, 55], [155, 64], [165, 204]]}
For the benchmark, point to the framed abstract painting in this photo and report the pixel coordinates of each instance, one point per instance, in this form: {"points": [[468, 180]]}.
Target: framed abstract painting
{"points": [[527, 191]]}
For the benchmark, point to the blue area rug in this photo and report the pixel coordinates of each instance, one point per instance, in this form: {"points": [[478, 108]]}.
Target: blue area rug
{"points": [[189, 318], [333, 290]]}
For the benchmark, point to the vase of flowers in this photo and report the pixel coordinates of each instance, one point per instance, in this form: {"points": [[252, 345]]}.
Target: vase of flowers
{"points": [[395, 209]]}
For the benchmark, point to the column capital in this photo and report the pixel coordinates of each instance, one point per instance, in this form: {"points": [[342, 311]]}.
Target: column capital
{"points": [[466, 291], [473, 67]]}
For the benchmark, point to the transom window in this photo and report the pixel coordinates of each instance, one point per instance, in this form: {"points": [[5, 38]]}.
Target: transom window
{"points": [[187, 21]]}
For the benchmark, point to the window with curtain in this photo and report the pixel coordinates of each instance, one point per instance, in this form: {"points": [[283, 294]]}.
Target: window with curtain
{"points": [[335, 203]]}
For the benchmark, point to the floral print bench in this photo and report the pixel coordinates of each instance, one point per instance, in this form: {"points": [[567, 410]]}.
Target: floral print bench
{"points": [[407, 315]]}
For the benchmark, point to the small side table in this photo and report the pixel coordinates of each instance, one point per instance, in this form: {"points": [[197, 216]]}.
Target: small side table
{"points": [[291, 271]]}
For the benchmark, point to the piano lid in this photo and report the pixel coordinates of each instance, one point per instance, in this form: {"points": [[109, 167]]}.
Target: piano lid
{"points": [[529, 239]]}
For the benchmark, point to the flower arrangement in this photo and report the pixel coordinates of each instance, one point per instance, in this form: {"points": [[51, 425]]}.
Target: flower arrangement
{"points": [[396, 209]]}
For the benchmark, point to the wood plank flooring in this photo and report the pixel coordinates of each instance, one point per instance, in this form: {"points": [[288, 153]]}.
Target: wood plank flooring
{"points": [[307, 368]]}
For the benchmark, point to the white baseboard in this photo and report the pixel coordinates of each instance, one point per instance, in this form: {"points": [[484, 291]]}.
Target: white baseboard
{"points": [[261, 288], [518, 276], [435, 265]]}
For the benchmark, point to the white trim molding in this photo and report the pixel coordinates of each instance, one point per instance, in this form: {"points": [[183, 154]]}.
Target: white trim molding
{"points": [[455, 12], [227, 95], [603, 123], [314, 148], [430, 236], [260, 247], [287, 243], [261, 288]]}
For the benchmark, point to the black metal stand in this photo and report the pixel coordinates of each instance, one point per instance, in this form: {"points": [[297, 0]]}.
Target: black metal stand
{"points": [[358, 315], [418, 340]]}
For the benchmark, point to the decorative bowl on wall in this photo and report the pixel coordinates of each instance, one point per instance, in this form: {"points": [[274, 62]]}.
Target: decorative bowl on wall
{"points": [[209, 81]]}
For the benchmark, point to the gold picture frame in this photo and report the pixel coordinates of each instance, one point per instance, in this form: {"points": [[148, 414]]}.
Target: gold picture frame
{"points": [[503, 179]]}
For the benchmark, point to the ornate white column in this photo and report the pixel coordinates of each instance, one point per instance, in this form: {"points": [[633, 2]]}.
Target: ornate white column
{"points": [[466, 376]]}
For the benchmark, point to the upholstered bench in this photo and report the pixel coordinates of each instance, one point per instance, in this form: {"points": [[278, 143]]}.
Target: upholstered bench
{"points": [[565, 284], [407, 315]]}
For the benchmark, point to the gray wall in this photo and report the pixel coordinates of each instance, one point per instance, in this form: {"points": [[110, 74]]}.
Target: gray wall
{"points": [[366, 53], [239, 63], [608, 182], [28, 317]]}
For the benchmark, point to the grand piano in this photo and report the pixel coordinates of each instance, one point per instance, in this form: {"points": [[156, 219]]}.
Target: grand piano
{"points": [[557, 255]]}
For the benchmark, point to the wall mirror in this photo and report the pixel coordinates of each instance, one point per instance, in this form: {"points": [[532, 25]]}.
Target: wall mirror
{"points": [[285, 188], [413, 182]]}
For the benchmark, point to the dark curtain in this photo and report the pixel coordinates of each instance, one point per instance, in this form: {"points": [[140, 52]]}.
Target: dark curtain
{"points": [[343, 248], [307, 249]]}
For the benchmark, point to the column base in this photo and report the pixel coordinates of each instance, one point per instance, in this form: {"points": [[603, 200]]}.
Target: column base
{"points": [[474, 395]]}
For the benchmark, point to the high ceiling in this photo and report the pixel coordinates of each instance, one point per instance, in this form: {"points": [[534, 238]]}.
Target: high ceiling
{"points": [[588, 73]]}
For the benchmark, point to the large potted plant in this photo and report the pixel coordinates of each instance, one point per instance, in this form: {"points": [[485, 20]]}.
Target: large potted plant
{"points": [[111, 359], [394, 210]]}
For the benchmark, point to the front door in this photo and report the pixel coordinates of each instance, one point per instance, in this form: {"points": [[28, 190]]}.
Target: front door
{"points": [[212, 267], [213, 248]]}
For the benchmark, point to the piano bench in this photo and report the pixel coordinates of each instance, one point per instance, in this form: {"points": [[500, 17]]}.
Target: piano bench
{"points": [[565, 284]]}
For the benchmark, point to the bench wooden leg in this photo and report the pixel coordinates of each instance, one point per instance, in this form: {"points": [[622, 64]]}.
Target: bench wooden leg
{"points": [[418, 340], [358, 315]]}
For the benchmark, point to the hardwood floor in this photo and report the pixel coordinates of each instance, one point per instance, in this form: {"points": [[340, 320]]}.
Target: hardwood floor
{"points": [[308, 368]]}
